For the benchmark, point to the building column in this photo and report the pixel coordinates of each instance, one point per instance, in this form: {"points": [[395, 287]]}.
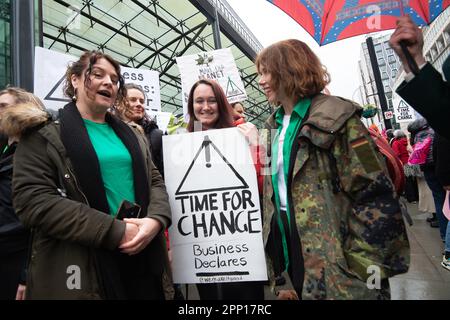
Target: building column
{"points": [[216, 30], [378, 82], [22, 43]]}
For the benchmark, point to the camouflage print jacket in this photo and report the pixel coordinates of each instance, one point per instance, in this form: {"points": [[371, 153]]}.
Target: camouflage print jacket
{"points": [[346, 211]]}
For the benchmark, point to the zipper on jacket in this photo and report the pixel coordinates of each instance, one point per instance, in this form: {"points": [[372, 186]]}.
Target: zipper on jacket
{"points": [[76, 185]]}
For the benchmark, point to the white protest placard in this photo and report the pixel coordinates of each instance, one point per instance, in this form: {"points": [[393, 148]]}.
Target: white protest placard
{"points": [[149, 81], [403, 111], [49, 75], [216, 232], [218, 65], [162, 119]]}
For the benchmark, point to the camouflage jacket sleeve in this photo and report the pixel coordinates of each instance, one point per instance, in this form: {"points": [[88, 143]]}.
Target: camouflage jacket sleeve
{"points": [[373, 233]]}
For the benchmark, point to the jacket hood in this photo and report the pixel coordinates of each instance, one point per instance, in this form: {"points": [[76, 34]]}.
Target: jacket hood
{"points": [[326, 116], [16, 120]]}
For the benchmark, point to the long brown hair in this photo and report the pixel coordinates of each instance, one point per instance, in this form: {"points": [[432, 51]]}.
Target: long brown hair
{"points": [[292, 63], [122, 109], [85, 63], [225, 119]]}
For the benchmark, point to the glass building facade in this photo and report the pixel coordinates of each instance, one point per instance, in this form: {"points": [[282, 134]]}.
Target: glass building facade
{"points": [[5, 43], [137, 33]]}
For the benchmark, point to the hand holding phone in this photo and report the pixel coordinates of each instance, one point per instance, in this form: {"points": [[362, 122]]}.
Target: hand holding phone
{"points": [[128, 210]]}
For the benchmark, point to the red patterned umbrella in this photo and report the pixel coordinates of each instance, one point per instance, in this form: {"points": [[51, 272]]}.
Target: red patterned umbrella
{"points": [[331, 20]]}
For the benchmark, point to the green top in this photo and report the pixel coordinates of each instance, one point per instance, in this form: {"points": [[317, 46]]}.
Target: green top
{"points": [[298, 113], [115, 164]]}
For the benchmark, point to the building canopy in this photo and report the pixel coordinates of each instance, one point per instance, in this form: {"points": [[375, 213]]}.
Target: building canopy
{"points": [[148, 35]]}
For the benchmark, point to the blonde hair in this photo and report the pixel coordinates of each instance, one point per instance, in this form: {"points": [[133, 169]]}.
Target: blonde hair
{"points": [[20, 95]]}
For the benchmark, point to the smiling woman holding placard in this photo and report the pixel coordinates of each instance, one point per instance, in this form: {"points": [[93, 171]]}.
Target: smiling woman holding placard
{"points": [[208, 109]]}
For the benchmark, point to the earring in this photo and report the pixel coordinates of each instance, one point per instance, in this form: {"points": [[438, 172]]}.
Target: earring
{"points": [[74, 98]]}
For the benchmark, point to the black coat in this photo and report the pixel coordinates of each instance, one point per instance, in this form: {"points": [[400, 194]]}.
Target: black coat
{"points": [[429, 94], [13, 235], [442, 146], [154, 138]]}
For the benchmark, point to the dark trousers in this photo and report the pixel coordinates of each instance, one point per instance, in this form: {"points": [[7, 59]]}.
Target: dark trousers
{"points": [[275, 250], [11, 267], [248, 290], [438, 196], [411, 189]]}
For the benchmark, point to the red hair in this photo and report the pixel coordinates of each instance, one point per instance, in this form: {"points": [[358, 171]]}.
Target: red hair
{"points": [[294, 64]]}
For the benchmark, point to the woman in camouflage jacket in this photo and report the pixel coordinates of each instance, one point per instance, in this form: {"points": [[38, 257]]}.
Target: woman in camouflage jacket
{"points": [[332, 219]]}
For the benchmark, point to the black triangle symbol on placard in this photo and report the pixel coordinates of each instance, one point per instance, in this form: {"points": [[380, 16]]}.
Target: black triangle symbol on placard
{"points": [[232, 89], [207, 144], [49, 95], [402, 104]]}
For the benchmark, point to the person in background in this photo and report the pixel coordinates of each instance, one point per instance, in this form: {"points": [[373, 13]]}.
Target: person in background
{"points": [[390, 136], [238, 113], [443, 175], [328, 185], [425, 91], [443, 170], [400, 146], [420, 130], [426, 201], [94, 236], [14, 237], [208, 106], [132, 111]]}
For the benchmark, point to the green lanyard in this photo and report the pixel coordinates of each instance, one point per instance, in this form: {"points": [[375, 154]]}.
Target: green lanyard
{"points": [[297, 116]]}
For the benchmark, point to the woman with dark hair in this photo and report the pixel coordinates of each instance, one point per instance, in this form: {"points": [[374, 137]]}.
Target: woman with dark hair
{"points": [[208, 109], [216, 113], [330, 210], [87, 187]]}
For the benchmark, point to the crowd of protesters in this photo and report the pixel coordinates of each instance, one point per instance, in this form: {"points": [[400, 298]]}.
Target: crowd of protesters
{"points": [[330, 207]]}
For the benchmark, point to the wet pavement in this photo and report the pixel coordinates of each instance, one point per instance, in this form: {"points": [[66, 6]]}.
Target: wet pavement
{"points": [[426, 278]]}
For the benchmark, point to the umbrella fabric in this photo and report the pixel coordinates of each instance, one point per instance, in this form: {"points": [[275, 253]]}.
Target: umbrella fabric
{"points": [[331, 20]]}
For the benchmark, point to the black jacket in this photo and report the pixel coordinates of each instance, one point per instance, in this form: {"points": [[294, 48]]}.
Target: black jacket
{"points": [[429, 94], [154, 138], [442, 161], [13, 235]]}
